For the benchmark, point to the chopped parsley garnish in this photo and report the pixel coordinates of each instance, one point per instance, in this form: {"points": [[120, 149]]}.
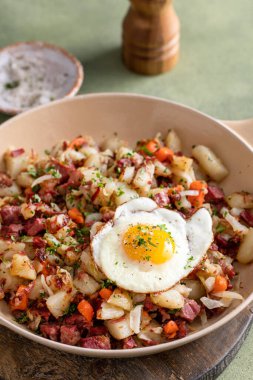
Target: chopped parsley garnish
{"points": [[71, 309], [173, 311], [81, 233], [162, 227], [54, 172], [32, 172], [140, 240], [76, 265], [23, 318], [120, 192], [215, 211], [12, 85], [147, 258], [107, 283], [36, 198], [220, 228], [188, 264], [36, 188], [51, 250]]}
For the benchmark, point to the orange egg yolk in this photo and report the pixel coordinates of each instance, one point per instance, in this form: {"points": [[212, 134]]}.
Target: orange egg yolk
{"points": [[148, 243]]}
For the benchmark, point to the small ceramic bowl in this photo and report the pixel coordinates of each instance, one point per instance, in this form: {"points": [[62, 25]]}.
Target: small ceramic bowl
{"points": [[35, 73]]}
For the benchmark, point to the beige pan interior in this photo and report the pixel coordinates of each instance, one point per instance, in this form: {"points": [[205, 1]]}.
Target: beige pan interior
{"points": [[132, 117]]}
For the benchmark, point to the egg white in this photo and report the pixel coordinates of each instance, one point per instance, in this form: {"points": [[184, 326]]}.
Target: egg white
{"points": [[192, 238]]}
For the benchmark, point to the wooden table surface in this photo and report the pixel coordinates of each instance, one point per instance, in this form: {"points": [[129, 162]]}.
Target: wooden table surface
{"points": [[214, 75]]}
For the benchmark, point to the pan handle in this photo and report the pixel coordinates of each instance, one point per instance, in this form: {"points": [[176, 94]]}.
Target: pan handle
{"points": [[244, 128]]}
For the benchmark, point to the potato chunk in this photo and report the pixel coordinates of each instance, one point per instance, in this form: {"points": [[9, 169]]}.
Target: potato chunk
{"points": [[120, 328], [240, 200], [245, 252], [121, 298], [209, 162], [21, 266], [171, 299]]}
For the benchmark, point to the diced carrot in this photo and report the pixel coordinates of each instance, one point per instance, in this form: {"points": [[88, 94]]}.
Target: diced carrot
{"points": [[170, 328], [77, 142], [175, 190], [220, 284], [76, 215], [85, 308], [20, 300], [105, 293], [164, 154], [172, 335], [197, 200], [150, 148]]}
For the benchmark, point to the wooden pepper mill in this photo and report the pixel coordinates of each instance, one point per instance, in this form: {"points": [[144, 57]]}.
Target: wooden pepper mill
{"points": [[151, 36]]}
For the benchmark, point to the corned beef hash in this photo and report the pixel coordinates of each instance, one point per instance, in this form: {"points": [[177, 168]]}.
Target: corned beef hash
{"points": [[110, 247]]}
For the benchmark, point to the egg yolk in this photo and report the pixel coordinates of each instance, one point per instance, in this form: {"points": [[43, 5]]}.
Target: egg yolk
{"points": [[148, 243]]}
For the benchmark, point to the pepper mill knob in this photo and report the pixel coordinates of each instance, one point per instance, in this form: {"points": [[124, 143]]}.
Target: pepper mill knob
{"points": [[151, 36]]}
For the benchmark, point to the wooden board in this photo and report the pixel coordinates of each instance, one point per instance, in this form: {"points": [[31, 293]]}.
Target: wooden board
{"points": [[205, 359]]}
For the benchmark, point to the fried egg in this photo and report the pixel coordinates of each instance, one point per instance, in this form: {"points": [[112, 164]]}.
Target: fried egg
{"points": [[148, 249]]}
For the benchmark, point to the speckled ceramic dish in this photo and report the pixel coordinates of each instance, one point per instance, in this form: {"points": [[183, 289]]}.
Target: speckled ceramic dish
{"points": [[35, 73], [132, 117]]}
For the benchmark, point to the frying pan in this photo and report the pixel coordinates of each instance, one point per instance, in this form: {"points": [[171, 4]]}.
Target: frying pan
{"points": [[134, 117]]}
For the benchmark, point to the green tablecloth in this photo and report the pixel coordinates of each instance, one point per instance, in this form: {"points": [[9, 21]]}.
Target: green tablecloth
{"points": [[214, 73]]}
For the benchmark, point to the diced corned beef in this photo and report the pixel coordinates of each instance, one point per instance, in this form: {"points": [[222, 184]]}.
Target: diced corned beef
{"points": [[70, 335], [38, 242], [129, 343], [17, 152], [41, 311], [175, 197], [13, 230], [65, 170], [75, 178], [77, 320], [162, 199], [10, 214], [234, 241], [182, 332], [149, 306], [163, 182], [190, 310], [213, 247], [221, 241], [95, 195], [124, 162], [5, 181], [164, 314], [101, 342], [40, 254], [187, 212], [47, 196], [34, 226], [247, 217], [228, 246], [214, 194], [98, 330], [108, 215], [50, 330], [227, 269]]}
